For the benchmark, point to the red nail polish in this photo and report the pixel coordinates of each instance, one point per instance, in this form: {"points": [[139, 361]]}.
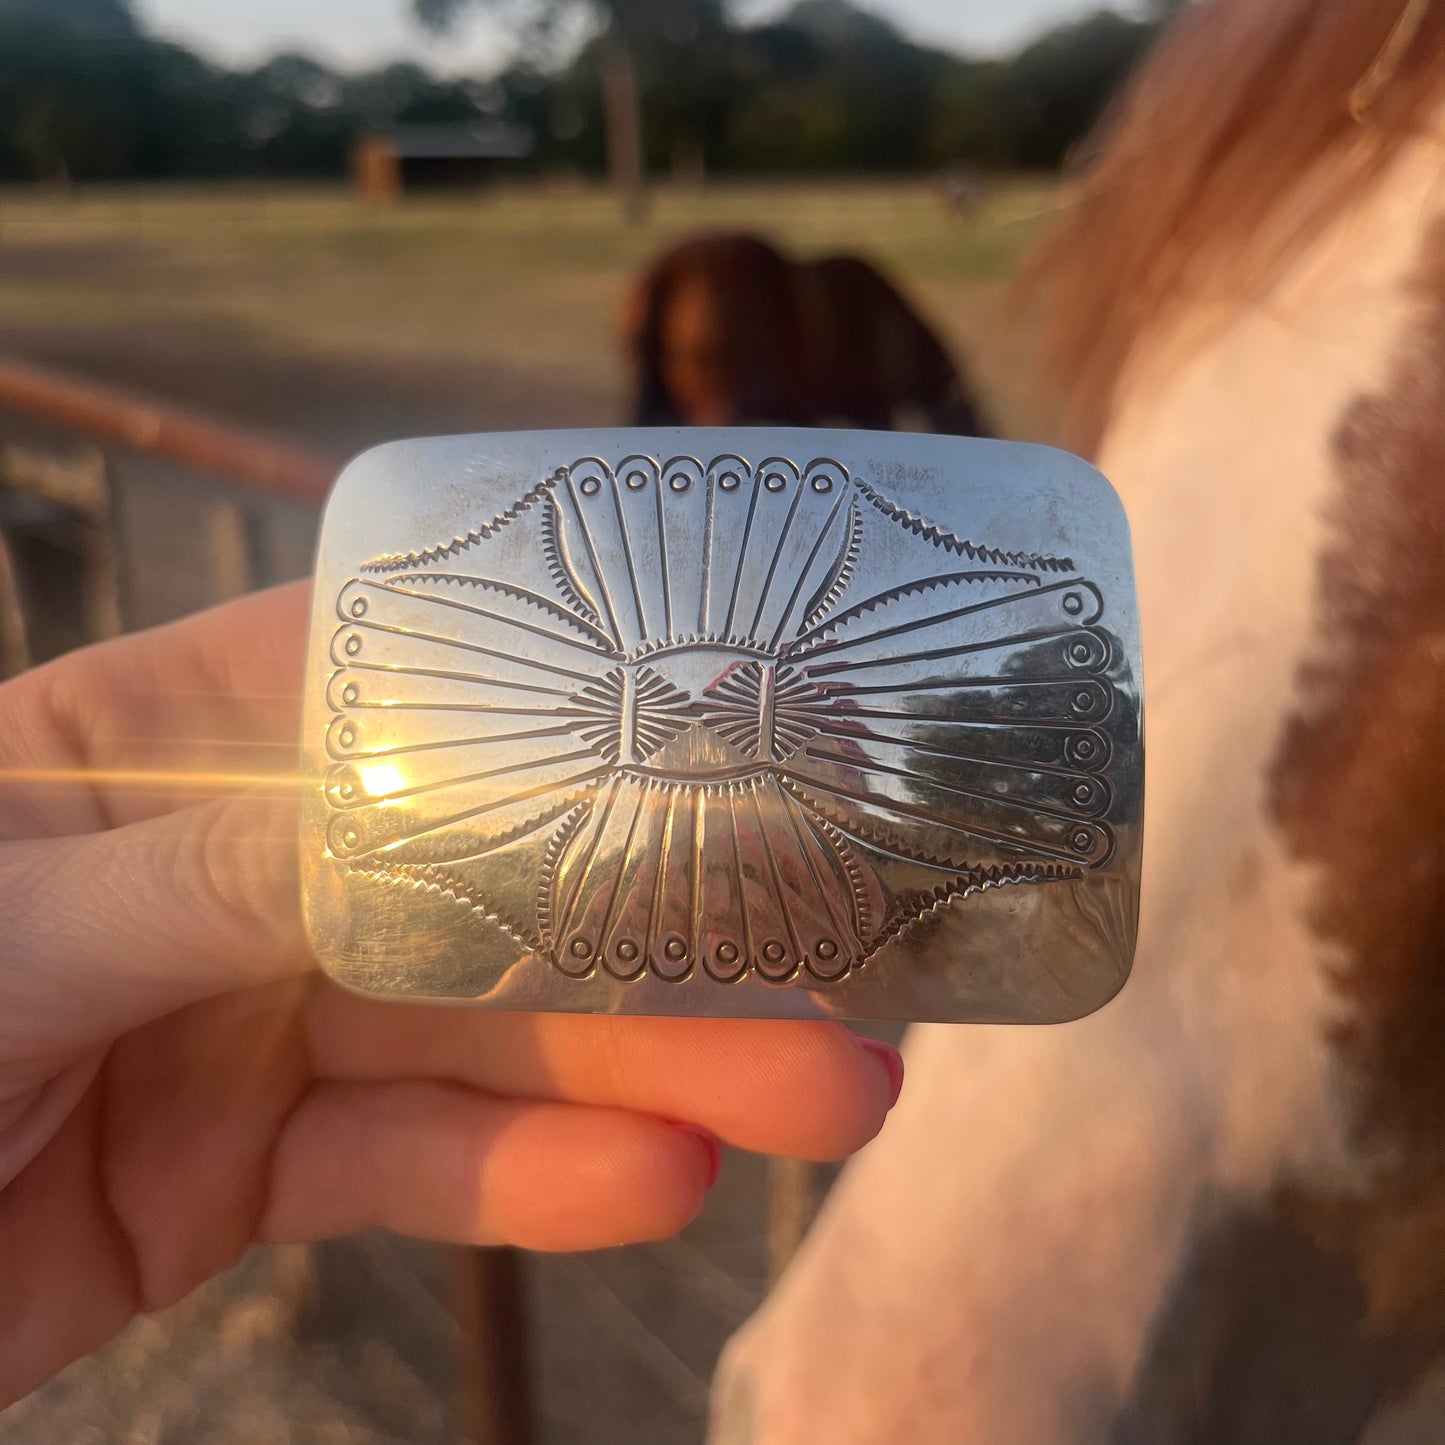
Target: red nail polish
{"points": [[710, 1143], [891, 1060]]}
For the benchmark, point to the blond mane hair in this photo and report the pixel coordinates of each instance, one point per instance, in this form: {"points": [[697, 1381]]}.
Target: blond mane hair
{"points": [[1242, 105]]}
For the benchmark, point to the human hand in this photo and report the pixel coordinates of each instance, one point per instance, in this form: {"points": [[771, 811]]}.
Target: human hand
{"points": [[176, 1079]]}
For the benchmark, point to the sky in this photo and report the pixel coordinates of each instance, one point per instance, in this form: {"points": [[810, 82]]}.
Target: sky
{"points": [[359, 33]]}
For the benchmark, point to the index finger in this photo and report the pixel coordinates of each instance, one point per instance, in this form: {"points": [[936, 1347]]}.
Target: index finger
{"points": [[106, 931]]}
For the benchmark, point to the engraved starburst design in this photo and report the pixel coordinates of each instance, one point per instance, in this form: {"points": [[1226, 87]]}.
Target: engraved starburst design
{"points": [[760, 719]]}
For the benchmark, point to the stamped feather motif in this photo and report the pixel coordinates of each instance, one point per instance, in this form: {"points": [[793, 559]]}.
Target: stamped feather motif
{"points": [[701, 747]]}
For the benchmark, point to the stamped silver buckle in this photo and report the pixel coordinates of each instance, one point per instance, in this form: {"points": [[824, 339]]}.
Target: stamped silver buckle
{"points": [[754, 722]]}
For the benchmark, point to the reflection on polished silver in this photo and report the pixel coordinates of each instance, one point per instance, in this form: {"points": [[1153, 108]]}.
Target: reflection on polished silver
{"points": [[750, 722]]}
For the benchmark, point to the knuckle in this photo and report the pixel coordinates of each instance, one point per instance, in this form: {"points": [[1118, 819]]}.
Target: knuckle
{"points": [[239, 865]]}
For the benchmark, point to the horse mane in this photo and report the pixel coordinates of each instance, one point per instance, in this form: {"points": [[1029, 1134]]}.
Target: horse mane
{"points": [[1242, 105]]}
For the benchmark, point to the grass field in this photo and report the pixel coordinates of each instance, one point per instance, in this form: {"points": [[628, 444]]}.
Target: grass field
{"points": [[502, 309]]}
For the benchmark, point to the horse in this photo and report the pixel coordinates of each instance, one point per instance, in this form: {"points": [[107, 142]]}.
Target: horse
{"points": [[1212, 1213], [724, 330]]}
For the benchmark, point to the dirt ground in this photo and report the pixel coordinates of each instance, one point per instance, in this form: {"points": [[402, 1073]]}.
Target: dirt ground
{"points": [[301, 313]]}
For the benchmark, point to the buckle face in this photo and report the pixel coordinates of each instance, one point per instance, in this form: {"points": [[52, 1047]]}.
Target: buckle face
{"points": [[748, 722]]}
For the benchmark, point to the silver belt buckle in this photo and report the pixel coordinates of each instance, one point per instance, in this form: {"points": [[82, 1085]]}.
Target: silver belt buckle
{"points": [[725, 722]]}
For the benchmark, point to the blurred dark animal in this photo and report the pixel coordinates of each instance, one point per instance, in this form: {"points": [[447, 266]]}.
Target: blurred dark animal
{"points": [[725, 330]]}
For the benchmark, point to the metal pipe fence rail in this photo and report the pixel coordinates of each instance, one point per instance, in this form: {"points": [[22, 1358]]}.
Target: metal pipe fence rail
{"points": [[119, 512]]}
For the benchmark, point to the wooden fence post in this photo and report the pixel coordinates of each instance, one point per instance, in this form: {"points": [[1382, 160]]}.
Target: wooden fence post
{"points": [[792, 1202], [496, 1406], [14, 648]]}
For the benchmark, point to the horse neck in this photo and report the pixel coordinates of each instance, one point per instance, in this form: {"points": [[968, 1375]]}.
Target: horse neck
{"points": [[1224, 452], [1222, 443]]}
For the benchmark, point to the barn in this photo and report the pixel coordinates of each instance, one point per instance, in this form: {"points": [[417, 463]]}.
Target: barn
{"points": [[415, 158]]}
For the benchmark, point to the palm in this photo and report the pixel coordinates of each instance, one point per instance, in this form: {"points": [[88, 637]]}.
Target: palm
{"points": [[155, 1179]]}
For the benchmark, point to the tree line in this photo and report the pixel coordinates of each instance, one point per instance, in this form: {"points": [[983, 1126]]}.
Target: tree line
{"points": [[86, 93]]}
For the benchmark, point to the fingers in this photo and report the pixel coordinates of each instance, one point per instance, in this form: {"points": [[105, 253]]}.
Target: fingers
{"points": [[805, 1089], [105, 931], [444, 1162], [128, 729]]}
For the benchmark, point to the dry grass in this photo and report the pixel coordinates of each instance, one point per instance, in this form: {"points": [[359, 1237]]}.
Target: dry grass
{"points": [[528, 281]]}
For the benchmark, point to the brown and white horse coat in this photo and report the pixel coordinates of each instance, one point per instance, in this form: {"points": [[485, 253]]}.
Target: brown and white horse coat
{"points": [[1213, 1212]]}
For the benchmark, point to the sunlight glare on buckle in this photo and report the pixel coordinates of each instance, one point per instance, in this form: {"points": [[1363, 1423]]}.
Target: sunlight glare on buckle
{"points": [[382, 779]]}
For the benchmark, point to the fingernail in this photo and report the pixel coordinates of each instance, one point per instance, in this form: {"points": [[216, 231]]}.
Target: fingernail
{"points": [[710, 1143], [891, 1060]]}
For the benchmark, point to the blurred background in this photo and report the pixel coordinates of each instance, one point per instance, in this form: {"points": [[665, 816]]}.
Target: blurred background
{"points": [[240, 242]]}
